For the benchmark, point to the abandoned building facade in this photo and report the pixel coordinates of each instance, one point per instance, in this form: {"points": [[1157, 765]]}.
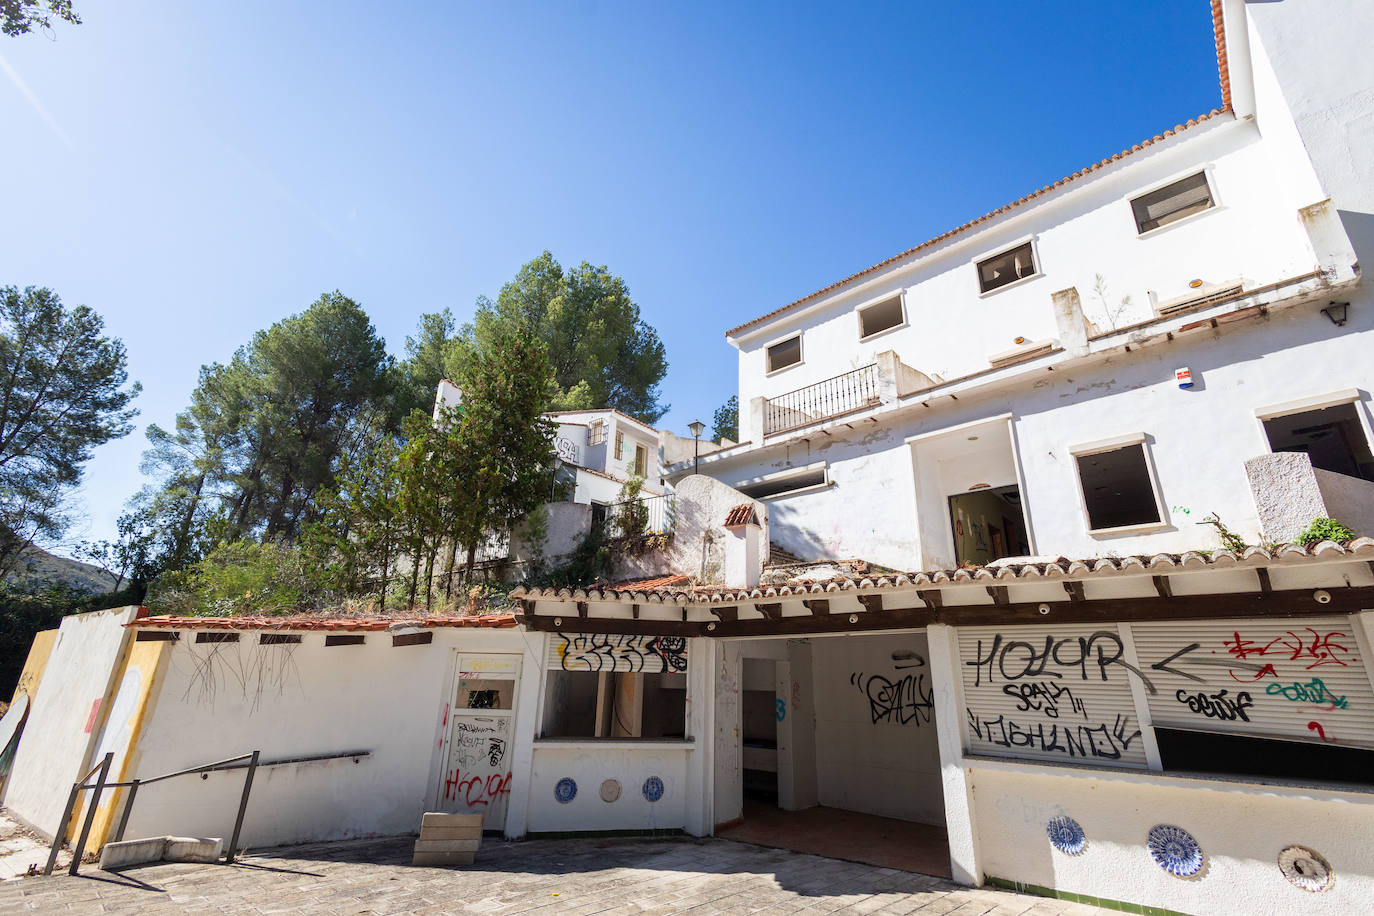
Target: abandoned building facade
{"points": [[957, 572]]}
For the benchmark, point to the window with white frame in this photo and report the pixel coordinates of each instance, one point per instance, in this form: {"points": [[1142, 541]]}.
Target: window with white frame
{"points": [[783, 483], [1332, 437], [641, 465], [619, 445], [596, 432], [784, 354], [615, 686], [881, 316], [1005, 268], [1118, 484], [1172, 202]]}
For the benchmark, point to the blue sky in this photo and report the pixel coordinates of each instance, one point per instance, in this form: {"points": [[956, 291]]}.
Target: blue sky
{"points": [[196, 171]]}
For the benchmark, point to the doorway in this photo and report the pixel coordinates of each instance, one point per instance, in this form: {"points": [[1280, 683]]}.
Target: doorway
{"points": [[853, 770], [988, 525], [476, 776]]}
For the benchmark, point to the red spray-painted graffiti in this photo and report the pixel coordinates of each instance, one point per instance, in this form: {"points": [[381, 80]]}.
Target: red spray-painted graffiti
{"points": [[476, 791], [1314, 647]]}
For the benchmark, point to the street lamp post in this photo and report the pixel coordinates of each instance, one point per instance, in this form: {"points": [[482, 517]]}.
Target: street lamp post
{"points": [[697, 427]]}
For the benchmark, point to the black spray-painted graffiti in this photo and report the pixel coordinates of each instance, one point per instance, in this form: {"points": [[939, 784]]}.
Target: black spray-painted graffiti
{"points": [[1217, 705], [908, 700], [607, 652], [496, 751], [1087, 657], [1049, 697], [1102, 741]]}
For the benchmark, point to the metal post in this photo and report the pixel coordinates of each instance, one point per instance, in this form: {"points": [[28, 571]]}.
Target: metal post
{"points": [[60, 833], [128, 806], [243, 808], [91, 805]]}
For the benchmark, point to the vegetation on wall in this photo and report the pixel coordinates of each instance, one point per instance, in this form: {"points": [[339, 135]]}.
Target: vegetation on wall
{"points": [[1324, 529]]}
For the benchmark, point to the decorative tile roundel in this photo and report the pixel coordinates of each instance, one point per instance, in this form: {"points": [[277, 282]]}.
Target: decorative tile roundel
{"points": [[1305, 869], [1066, 835], [610, 790], [653, 789], [566, 790], [1174, 850]]}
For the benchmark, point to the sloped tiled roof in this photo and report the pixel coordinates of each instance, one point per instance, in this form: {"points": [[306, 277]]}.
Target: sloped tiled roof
{"points": [[322, 622], [1224, 75], [639, 585], [743, 514], [1005, 573]]}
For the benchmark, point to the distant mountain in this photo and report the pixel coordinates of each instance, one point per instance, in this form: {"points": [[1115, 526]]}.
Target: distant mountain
{"points": [[37, 565]]}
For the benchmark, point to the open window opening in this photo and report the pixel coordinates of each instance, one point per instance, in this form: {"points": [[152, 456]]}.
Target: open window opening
{"points": [[615, 704], [785, 482], [784, 354], [641, 461], [1007, 267], [1172, 202], [1332, 437], [883, 316], [1240, 755], [596, 432], [759, 724], [1118, 488], [989, 524]]}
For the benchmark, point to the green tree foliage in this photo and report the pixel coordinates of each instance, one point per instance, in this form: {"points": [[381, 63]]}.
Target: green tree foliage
{"points": [[64, 389], [427, 354], [18, 17], [242, 577], [726, 421], [602, 354], [24, 611], [265, 432]]}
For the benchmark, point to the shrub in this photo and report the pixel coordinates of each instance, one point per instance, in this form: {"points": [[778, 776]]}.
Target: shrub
{"points": [[1324, 529]]}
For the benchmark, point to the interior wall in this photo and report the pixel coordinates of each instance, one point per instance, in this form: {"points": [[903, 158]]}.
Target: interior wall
{"points": [[875, 740]]}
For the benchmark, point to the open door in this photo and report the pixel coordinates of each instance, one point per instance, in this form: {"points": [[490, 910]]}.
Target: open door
{"points": [[476, 776]]}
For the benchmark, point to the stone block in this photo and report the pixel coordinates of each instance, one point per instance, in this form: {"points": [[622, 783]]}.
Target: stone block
{"points": [[473, 832], [193, 849], [132, 852], [439, 819], [443, 858], [425, 844]]}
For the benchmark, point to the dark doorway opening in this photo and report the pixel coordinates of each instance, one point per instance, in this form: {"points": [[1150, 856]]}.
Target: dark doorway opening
{"points": [[988, 525]]}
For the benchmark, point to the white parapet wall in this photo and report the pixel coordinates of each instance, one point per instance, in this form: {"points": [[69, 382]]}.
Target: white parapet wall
{"points": [[1289, 493]]}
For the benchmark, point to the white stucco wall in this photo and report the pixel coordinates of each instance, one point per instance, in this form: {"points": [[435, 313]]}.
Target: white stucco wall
{"points": [[311, 699], [58, 737], [590, 764], [876, 745], [1240, 829]]}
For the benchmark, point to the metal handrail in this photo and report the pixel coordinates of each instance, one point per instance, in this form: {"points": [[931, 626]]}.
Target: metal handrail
{"points": [[659, 516], [841, 394]]}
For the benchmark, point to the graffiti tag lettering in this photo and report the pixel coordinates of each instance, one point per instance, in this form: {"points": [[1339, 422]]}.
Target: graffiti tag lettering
{"points": [[904, 701], [476, 790], [1217, 705], [1313, 646], [607, 652], [1314, 691], [1046, 697], [1102, 741], [1086, 657]]}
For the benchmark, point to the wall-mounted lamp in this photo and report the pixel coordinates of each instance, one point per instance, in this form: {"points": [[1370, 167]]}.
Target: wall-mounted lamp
{"points": [[1337, 312]]}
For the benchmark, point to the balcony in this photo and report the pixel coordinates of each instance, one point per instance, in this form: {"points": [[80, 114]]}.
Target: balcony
{"points": [[638, 518], [833, 397]]}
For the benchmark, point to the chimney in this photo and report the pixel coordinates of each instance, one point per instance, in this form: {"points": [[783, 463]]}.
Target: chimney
{"points": [[743, 547]]}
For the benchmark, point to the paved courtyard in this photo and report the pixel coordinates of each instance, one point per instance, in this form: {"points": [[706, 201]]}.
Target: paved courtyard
{"points": [[546, 876]]}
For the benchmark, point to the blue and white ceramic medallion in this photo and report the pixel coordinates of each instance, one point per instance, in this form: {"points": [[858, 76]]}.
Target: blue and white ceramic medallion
{"points": [[566, 790], [1066, 835], [1175, 850], [653, 789]]}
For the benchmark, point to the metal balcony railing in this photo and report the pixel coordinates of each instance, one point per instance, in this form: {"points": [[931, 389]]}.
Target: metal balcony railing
{"points": [[645, 517], [831, 398]]}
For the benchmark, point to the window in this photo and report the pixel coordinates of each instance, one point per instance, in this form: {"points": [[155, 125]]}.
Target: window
{"points": [[596, 432], [641, 460], [619, 445], [1007, 267], [615, 686], [1331, 437], [881, 317], [1172, 203], [1118, 488], [784, 354], [785, 482]]}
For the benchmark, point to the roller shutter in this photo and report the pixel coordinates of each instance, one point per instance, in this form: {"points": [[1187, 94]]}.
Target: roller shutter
{"points": [[1049, 692], [1301, 679]]}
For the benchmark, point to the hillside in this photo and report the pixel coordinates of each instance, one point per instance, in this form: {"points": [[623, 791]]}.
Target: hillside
{"points": [[38, 566]]}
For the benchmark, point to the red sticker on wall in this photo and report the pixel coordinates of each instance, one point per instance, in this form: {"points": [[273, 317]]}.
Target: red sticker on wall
{"points": [[95, 709]]}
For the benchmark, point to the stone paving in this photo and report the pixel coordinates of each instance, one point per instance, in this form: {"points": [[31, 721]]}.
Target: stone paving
{"points": [[600, 875]]}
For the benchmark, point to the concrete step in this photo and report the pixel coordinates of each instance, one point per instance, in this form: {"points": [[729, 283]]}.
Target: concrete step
{"points": [[451, 833], [440, 819]]}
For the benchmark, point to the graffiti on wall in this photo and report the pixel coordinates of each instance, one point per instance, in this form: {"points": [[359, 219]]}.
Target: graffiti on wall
{"points": [[477, 775], [899, 699], [610, 652]]}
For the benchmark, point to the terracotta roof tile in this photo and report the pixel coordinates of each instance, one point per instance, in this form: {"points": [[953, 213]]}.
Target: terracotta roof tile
{"points": [[322, 622], [743, 514], [1056, 569], [636, 585]]}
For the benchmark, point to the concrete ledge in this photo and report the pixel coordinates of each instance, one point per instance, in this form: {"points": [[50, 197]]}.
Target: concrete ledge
{"points": [[439, 819], [193, 849]]}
